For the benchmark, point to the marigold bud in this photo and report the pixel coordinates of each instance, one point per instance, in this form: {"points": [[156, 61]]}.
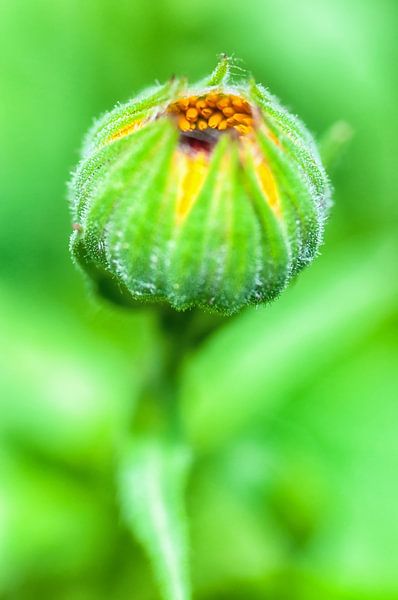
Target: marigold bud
{"points": [[209, 195]]}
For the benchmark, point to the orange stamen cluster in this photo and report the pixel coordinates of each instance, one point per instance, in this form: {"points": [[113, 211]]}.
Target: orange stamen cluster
{"points": [[213, 111]]}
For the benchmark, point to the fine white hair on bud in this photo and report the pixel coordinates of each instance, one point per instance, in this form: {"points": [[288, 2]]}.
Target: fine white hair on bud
{"points": [[208, 195]]}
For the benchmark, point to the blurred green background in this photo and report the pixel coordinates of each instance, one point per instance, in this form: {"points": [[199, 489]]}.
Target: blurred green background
{"points": [[291, 409]]}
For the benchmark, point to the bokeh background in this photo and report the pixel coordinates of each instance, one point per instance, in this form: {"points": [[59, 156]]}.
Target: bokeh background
{"points": [[292, 409]]}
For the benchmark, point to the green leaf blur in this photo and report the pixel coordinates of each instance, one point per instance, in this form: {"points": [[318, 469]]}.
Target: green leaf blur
{"points": [[290, 410]]}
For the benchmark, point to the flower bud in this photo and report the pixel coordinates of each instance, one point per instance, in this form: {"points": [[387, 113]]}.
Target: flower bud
{"points": [[208, 195]]}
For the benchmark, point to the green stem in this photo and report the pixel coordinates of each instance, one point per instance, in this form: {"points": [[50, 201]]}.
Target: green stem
{"points": [[179, 334], [155, 460]]}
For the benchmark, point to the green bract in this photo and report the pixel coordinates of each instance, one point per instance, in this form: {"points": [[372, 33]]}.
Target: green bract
{"points": [[208, 195]]}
